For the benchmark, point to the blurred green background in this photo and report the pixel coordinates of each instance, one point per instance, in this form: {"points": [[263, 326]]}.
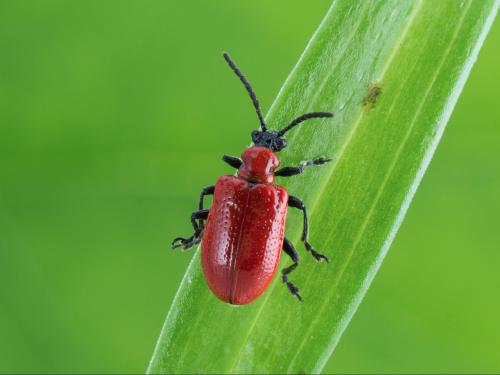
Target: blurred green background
{"points": [[114, 114]]}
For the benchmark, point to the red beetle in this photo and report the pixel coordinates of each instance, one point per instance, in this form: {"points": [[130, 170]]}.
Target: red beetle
{"points": [[242, 238]]}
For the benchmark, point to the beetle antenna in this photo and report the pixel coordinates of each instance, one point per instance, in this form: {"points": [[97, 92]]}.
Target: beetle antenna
{"points": [[249, 90], [302, 118]]}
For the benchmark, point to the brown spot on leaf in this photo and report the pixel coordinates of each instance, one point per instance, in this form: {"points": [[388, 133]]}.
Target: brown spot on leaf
{"points": [[374, 92]]}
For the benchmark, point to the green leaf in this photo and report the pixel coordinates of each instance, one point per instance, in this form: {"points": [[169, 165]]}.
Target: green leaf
{"points": [[391, 71]]}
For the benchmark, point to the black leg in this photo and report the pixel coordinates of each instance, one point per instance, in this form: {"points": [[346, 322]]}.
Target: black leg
{"points": [[209, 190], [292, 253], [186, 243], [292, 171], [297, 203], [232, 161]]}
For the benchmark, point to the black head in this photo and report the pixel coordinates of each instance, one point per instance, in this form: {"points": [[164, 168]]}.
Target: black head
{"points": [[271, 139]]}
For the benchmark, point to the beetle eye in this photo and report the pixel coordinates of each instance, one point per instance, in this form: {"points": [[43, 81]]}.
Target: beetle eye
{"points": [[255, 135], [279, 144]]}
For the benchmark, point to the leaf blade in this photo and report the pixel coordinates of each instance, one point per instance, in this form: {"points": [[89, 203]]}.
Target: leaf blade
{"points": [[395, 46]]}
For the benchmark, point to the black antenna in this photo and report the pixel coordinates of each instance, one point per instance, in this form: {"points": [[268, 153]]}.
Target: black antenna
{"points": [[249, 89], [304, 117]]}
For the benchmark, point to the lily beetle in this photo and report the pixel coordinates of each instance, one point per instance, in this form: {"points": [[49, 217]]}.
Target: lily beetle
{"points": [[242, 234]]}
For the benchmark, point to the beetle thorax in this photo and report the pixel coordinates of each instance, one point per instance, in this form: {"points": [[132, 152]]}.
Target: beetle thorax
{"points": [[258, 165]]}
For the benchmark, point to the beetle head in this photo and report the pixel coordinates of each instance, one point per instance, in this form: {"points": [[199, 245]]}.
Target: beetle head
{"points": [[270, 139]]}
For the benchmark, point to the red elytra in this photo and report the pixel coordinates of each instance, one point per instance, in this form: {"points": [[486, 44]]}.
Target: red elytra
{"points": [[242, 234]]}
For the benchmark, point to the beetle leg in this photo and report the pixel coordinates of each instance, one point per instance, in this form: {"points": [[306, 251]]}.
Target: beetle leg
{"points": [[292, 171], [297, 203], [209, 190], [186, 243], [232, 161], [292, 253]]}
